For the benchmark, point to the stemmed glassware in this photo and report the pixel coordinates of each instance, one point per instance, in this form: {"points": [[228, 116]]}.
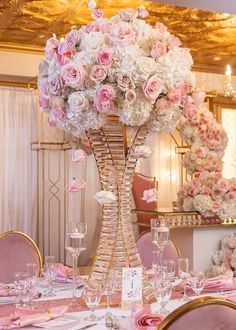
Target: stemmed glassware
{"points": [[183, 264], [75, 243], [160, 235], [108, 289], [163, 293], [32, 271], [197, 282], [20, 285], [50, 272], [169, 265], [92, 293]]}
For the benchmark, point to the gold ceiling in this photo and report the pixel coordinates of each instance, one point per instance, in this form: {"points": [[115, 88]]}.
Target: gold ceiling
{"points": [[210, 36]]}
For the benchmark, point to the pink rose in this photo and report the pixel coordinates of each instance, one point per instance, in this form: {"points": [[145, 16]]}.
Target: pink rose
{"points": [[190, 111], [51, 121], [143, 12], [43, 86], [175, 96], [56, 84], [128, 14], [58, 114], [124, 81], [152, 87], [162, 106], [217, 175], [43, 104], [158, 49], [72, 39], [205, 191], [123, 34], [73, 74], [198, 97], [173, 41], [51, 47], [231, 196], [104, 99], [78, 155], [106, 27], [161, 27], [204, 175], [56, 102], [93, 27], [75, 185], [104, 57], [130, 95], [150, 195], [97, 13], [223, 184], [98, 73], [216, 206], [65, 57]]}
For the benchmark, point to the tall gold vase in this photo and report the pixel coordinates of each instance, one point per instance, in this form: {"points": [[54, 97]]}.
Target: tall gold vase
{"points": [[116, 165]]}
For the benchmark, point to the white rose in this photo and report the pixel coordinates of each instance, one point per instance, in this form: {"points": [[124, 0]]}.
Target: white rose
{"points": [[146, 67], [78, 101], [92, 40]]}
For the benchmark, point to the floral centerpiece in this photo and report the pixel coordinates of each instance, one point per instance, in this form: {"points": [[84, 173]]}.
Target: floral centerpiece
{"points": [[224, 260]]}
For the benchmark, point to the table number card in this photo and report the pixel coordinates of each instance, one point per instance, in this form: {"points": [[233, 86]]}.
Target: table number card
{"points": [[131, 286]]}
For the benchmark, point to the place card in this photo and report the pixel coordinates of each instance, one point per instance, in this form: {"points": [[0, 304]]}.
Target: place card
{"points": [[131, 286]]}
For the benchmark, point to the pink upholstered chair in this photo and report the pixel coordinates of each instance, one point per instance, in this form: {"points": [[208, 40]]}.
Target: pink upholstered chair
{"points": [[140, 183], [145, 248], [16, 250], [205, 313]]}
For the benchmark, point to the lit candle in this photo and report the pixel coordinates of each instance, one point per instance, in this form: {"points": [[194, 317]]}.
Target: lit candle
{"points": [[228, 72]]}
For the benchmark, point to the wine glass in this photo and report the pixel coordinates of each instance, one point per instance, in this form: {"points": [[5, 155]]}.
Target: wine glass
{"points": [[197, 281], [108, 289], [32, 271], [50, 272], [160, 235], [169, 264], [92, 293], [163, 293], [75, 243], [20, 285], [183, 264]]}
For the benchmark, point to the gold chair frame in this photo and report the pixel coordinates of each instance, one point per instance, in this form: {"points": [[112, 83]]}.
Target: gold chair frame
{"points": [[31, 241], [191, 305]]}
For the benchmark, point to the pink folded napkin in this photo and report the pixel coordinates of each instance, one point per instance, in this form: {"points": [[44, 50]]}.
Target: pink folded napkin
{"points": [[220, 283], [6, 290], [143, 319], [65, 275], [23, 317]]}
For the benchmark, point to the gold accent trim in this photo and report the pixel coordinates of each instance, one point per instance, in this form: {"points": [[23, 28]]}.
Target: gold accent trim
{"points": [[19, 84], [191, 305], [19, 48], [31, 241]]}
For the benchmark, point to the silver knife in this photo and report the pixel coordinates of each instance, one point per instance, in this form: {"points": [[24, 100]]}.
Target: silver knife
{"points": [[87, 326]]}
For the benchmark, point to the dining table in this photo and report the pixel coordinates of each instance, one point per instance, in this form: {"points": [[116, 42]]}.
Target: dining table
{"points": [[75, 318]]}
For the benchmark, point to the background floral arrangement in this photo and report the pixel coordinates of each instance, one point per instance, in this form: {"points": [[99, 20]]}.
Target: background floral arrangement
{"points": [[225, 259], [120, 66], [208, 193]]}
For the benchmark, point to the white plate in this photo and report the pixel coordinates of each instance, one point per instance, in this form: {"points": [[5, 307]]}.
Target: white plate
{"points": [[7, 300]]}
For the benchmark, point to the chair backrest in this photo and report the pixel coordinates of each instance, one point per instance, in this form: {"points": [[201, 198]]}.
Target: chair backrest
{"points": [[16, 250], [205, 313], [140, 183], [145, 248]]}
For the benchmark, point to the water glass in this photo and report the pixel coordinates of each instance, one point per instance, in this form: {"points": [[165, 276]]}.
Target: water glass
{"points": [[163, 294], [197, 282], [20, 285], [183, 265], [92, 293], [108, 288], [160, 235], [32, 271], [169, 264], [50, 272]]}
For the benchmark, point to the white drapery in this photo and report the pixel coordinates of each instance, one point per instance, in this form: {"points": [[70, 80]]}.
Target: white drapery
{"points": [[18, 165]]}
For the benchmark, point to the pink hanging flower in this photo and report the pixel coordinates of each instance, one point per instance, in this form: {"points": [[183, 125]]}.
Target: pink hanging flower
{"points": [[150, 195], [97, 13], [78, 155], [75, 185]]}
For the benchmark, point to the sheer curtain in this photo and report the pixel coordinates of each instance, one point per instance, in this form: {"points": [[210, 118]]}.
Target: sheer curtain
{"points": [[18, 164]]}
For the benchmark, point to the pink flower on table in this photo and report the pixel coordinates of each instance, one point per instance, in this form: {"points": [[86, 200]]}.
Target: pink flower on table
{"points": [[78, 155], [55, 84], [98, 73], [123, 34], [73, 74], [198, 97], [104, 57], [150, 195], [104, 99], [58, 114], [158, 49], [143, 319], [223, 184], [152, 87], [124, 81], [190, 111], [173, 42], [51, 47], [75, 185], [175, 96], [128, 14], [130, 95], [97, 13], [43, 104], [184, 89]]}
